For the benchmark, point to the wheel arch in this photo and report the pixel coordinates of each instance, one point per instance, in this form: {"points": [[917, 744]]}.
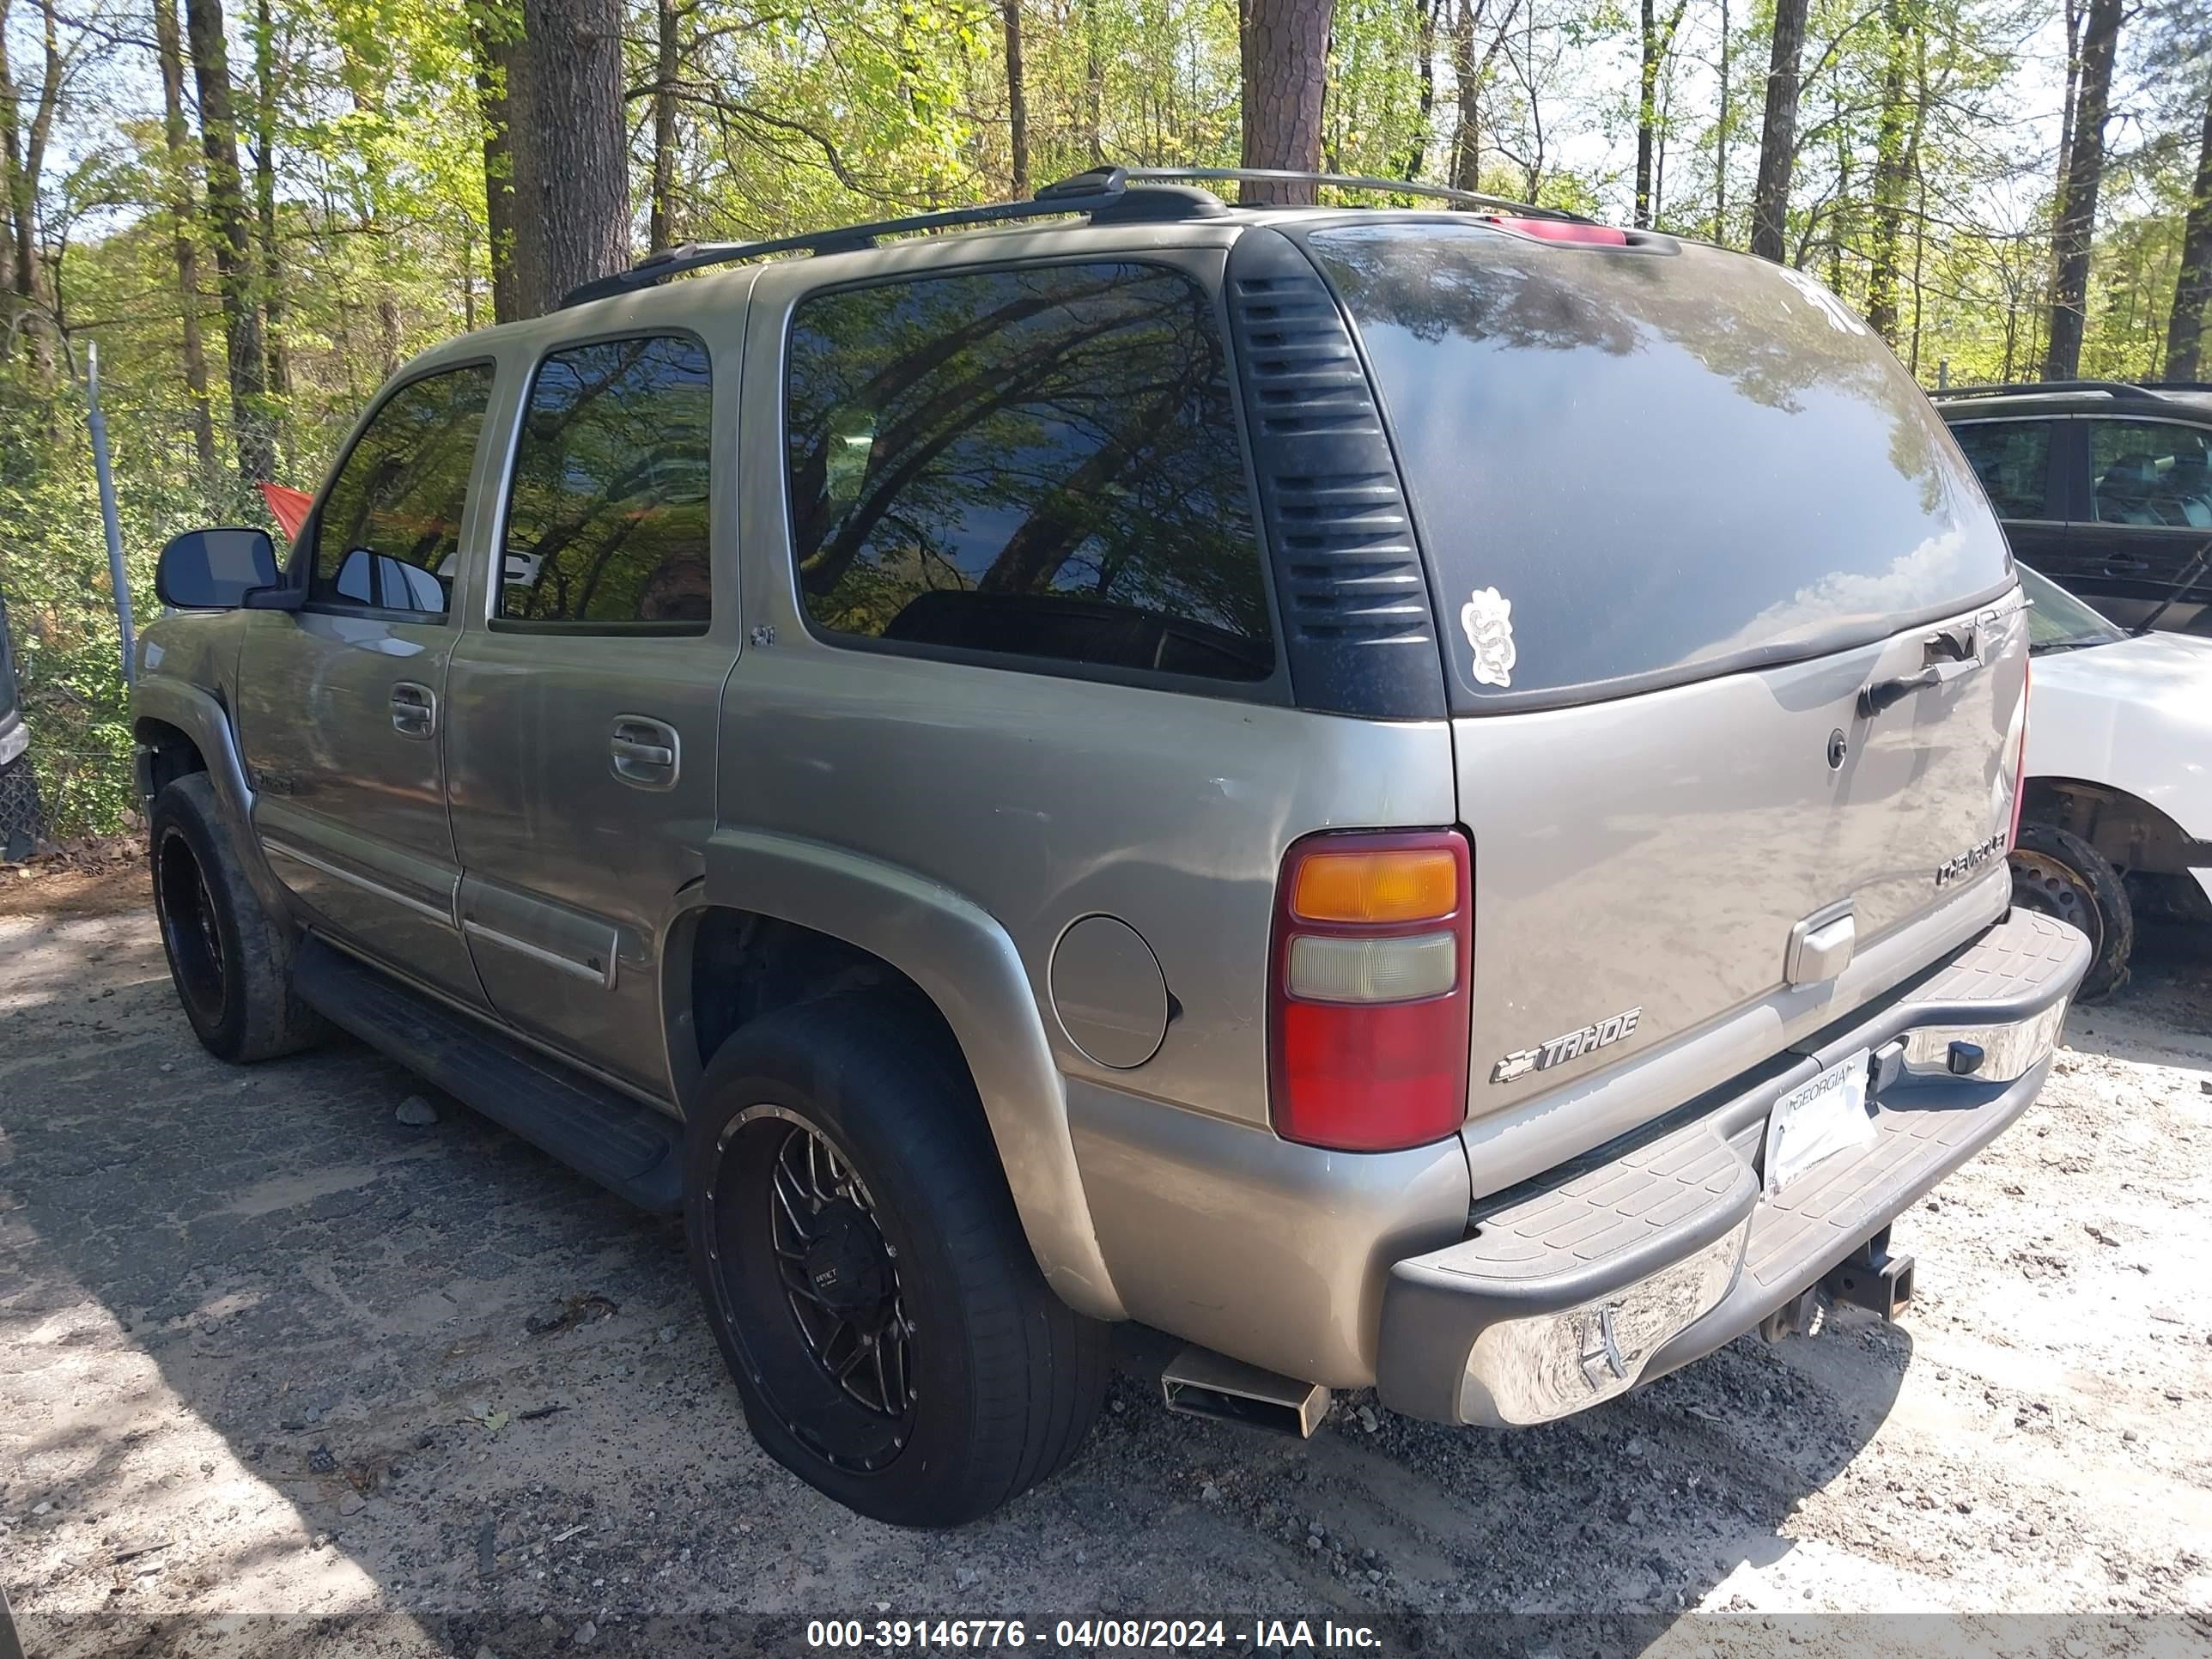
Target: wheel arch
{"points": [[180, 729], [854, 914], [2132, 834]]}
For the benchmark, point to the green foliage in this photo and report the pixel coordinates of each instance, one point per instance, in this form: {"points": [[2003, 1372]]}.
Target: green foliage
{"points": [[792, 114]]}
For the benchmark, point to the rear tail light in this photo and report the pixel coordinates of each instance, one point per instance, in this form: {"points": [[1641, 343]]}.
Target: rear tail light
{"points": [[1563, 230], [2019, 758], [1369, 990]]}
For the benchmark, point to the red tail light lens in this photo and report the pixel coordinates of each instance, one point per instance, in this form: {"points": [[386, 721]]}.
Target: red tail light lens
{"points": [[1369, 990], [1563, 230], [2019, 756]]}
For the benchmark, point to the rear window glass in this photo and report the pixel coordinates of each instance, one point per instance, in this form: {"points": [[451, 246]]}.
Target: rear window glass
{"points": [[1638, 467], [1040, 463]]}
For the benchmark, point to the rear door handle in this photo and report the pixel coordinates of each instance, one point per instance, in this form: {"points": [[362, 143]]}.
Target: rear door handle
{"points": [[646, 752], [414, 709], [2124, 565]]}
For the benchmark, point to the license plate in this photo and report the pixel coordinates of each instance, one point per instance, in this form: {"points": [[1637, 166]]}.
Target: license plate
{"points": [[1817, 1119]]}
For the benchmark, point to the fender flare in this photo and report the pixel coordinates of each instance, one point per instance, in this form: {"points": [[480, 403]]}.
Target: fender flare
{"points": [[200, 717], [966, 962]]}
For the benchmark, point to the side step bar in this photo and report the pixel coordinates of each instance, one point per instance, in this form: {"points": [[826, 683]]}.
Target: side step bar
{"points": [[1200, 1383], [625, 1146]]}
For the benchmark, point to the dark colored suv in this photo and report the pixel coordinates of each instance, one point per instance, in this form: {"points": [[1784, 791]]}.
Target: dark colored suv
{"points": [[18, 791], [2105, 487]]}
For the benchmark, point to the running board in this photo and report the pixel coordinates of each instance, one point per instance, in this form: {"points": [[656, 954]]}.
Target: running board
{"points": [[625, 1146], [1200, 1383]]}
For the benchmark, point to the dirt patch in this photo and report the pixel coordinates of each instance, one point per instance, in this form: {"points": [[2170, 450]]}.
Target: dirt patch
{"points": [[270, 1353], [90, 877]]}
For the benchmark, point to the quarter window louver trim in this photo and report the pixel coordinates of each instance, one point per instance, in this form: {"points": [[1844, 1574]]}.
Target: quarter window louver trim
{"points": [[1360, 632]]}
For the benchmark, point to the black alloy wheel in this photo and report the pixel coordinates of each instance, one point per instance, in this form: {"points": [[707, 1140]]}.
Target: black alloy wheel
{"points": [[791, 1219]]}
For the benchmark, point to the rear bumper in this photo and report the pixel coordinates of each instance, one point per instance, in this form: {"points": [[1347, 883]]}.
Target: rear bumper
{"points": [[1656, 1250]]}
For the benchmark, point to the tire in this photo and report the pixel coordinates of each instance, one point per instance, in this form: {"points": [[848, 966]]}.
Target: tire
{"points": [[230, 959], [970, 1381], [2057, 873]]}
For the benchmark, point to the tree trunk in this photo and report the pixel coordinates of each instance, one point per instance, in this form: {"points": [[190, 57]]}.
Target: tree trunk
{"points": [[1283, 47], [265, 197], [660, 230], [2192, 290], [1017, 102], [570, 150], [233, 257], [1721, 137], [1888, 186], [1655, 42], [2066, 105], [1094, 85], [169, 48], [1425, 54], [1777, 137], [22, 160], [2085, 172], [495, 53], [1467, 132], [27, 151]]}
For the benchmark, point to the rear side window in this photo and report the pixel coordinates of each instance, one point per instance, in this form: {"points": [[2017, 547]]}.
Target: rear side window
{"points": [[607, 520], [389, 533], [1040, 463], [2150, 472], [1630, 468], [2012, 460]]}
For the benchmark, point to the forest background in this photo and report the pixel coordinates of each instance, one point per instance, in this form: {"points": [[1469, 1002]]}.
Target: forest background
{"points": [[256, 212]]}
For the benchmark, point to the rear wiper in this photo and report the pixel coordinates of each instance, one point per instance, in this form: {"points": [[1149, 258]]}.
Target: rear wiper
{"points": [[2182, 584], [1950, 652]]}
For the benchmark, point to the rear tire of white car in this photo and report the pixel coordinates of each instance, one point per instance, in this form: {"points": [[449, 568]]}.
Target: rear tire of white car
{"points": [[2057, 873]]}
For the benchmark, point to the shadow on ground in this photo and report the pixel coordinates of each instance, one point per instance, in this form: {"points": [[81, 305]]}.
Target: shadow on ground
{"points": [[415, 1390]]}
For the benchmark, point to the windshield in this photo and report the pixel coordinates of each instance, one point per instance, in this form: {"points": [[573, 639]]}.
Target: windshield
{"points": [[1651, 467], [2056, 621]]}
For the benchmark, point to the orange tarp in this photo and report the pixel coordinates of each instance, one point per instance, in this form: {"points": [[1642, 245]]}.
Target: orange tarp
{"points": [[289, 506]]}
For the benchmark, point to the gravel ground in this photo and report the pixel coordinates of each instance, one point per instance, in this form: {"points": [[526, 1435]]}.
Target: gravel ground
{"points": [[285, 1374]]}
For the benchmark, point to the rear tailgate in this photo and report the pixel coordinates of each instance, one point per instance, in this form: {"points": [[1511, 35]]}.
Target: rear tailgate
{"points": [[1681, 509]]}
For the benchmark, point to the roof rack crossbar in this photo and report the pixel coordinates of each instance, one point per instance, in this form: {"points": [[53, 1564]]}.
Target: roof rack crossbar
{"points": [[1097, 188], [1354, 182], [2033, 388]]}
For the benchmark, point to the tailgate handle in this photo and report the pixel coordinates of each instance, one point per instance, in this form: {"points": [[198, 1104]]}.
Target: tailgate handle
{"points": [[1821, 946], [1950, 653]]}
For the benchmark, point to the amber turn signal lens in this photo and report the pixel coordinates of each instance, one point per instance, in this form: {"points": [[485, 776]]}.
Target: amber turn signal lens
{"points": [[1413, 886]]}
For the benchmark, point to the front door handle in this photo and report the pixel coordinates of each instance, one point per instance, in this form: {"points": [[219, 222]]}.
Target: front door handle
{"points": [[2125, 565], [645, 752], [414, 709]]}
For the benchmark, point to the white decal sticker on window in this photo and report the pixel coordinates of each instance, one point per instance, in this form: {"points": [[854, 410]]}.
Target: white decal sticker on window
{"points": [[1839, 314], [1487, 616]]}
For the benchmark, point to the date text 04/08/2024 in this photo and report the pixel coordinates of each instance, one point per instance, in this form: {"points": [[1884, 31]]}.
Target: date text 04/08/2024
{"points": [[1285, 1635]]}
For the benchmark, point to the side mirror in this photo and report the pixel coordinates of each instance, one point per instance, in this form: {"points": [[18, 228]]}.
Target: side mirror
{"points": [[215, 569]]}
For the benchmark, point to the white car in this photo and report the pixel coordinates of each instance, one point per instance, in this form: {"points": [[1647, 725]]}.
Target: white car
{"points": [[2117, 818]]}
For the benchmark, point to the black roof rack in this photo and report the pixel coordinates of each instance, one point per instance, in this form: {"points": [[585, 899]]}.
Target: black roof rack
{"points": [[1104, 193], [1357, 181], [2037, 388]]}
